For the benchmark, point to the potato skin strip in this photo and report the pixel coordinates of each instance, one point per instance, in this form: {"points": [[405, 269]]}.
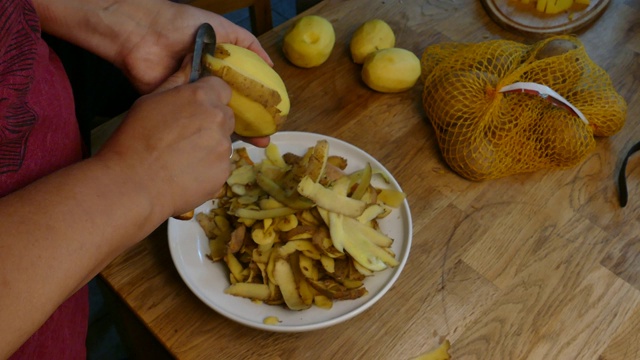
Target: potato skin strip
{"points": [[264, 214], [297, 231]]}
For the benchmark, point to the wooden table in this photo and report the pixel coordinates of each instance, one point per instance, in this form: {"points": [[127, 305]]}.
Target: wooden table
{"points": [[535, 266]]}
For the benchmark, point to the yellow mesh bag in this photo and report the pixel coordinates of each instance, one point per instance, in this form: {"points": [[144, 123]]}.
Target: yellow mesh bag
{"points": [[501, 107]]}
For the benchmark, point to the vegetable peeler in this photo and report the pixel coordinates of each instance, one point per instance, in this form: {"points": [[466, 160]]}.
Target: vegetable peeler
{"points": [[205, 43]]}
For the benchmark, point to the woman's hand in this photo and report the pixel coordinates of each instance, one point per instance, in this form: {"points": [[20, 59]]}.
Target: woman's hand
{"points": [[169, 37], [146, 39], [176, 142]]}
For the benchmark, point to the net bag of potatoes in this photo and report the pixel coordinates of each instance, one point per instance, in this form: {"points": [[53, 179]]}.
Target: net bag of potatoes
{"points": [[500, 107]]}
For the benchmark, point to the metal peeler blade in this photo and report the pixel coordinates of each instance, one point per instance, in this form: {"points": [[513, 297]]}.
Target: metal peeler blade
{"points": [[205, 43]]}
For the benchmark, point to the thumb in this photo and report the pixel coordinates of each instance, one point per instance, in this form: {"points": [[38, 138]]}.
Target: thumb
{"points": [[180, 77]]}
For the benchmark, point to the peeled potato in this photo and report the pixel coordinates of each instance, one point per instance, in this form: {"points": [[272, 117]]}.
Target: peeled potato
{"points": [[309, 41], [391, 70], [371, 36], [259, 98]]}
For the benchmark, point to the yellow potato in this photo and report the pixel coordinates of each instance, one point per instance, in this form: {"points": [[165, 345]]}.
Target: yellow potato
{"points": [[309, 41], [391, 70], [370, 37], [259, 98]]}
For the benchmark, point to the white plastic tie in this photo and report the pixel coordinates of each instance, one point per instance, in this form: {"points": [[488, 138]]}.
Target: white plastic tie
{"points": [[544, 92]]}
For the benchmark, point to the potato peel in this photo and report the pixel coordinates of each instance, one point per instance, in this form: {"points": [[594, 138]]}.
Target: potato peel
{"points": [[306, 243]]}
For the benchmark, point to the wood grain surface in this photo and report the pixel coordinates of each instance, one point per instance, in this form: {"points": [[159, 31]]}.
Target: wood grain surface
{"points": [[543, 265]]}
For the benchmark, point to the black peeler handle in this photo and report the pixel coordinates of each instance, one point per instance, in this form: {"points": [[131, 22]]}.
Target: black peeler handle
{"points": [[622, 176]]}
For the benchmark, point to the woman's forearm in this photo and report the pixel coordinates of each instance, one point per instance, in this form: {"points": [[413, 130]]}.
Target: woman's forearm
{"points": [[55, 236]]}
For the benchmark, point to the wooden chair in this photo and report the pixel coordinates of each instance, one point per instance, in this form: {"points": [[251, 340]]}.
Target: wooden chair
{"points": [[259, 11]]}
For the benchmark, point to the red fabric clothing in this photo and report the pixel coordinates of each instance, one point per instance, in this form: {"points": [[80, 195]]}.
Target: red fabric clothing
{"points": [[38, 129], [38, 135], [64, 334]]}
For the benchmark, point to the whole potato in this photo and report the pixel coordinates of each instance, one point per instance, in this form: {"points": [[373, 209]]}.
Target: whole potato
{"points": [[564, 139], [455, 100], [391, 70], [309, 41], [371, 36]]}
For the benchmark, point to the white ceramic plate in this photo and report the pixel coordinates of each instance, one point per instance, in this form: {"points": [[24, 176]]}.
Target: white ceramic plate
{"points": [[189, 248]]}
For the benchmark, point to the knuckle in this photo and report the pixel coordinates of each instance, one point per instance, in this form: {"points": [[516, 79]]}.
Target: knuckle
{"points": [[201, 95], [219, 89], [211, 90]]}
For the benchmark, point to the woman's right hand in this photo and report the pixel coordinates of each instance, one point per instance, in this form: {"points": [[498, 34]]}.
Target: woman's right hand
{"points": [[175, 143]]}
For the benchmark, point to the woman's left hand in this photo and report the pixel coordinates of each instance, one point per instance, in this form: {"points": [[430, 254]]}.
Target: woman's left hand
{"points": [[169, 37]]}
